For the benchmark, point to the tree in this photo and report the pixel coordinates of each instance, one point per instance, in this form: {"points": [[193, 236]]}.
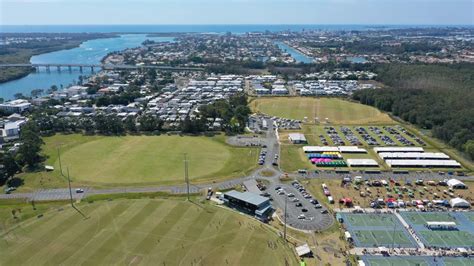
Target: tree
{"points": [[36, 93], [149, 123], [130, 124], [29, 153], [469, 148], [18, 95], [9, 169]]}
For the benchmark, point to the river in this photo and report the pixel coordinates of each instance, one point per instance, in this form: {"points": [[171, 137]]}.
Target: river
{"points": [[297, 55], [89, 52]]}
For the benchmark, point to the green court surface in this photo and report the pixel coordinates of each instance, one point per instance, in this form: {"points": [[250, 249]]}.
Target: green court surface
{"points": [[458, 261], [398, 261], [470, 216], [448, 238], [371, 220], [422, 218], [378, 238], [146, 232]]}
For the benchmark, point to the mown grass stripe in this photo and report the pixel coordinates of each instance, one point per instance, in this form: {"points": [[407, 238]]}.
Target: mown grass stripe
{"points": [[101, 253], [223, 236], [61, 226], [81, 236], [30, 233], [88, 234], [193, 233], [164, 225]]}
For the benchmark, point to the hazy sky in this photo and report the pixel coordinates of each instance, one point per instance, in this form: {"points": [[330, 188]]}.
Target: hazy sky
{"points": [[44, 12]]}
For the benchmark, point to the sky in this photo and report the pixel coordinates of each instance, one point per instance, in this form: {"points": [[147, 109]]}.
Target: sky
{"points": [[95, 12]]}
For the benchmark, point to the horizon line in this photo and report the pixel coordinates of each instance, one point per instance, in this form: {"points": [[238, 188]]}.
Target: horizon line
{"points": [[246, 24]]}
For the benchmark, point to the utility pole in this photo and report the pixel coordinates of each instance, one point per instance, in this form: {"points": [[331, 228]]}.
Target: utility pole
{"points": [[284, 228], [186, 177], [69, 184]]}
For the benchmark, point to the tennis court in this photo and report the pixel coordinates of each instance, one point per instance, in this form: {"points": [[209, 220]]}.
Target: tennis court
{"points": [[458, 261], [376, 229], [421, 261], [462, 236], [447, 238], [423, 217], [370, 219], [395, 238]]}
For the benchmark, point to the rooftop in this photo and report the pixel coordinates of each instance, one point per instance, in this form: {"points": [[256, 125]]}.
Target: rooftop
{"points": [[249, 197]]}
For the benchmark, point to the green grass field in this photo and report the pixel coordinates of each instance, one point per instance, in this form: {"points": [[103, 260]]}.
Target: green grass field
{"points": [[377, 238], [336, 110], [102, 161], [448, 238], [146, 231]]}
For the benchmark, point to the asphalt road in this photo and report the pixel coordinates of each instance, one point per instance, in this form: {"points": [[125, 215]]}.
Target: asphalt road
{"points": [[314, 220]]}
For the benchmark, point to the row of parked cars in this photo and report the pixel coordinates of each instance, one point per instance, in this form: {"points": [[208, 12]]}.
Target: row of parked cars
{"points": [[367, 138], [350, 136], [399, 136], [334, 136], [386, 139], [262, 156], [413, 136]]}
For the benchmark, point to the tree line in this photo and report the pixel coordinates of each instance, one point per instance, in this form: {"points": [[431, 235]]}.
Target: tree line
{"points": [[435, 97]]}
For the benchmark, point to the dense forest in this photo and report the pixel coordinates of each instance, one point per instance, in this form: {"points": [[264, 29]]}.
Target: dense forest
{"points": [[435, 97]]}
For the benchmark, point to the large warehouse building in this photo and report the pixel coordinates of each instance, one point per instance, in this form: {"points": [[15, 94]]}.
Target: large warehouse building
{"points": [[398, 149], [413, 155], [423, 163], [341, 149], [249, 203], [362, 163]]}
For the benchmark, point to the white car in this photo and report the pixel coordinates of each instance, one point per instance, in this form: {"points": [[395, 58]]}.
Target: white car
{"points": [[295, 200], [301, 216], [291, 195]]}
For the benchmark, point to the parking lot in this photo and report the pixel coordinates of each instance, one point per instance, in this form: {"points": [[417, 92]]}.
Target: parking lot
{"points": [[301, 213]]}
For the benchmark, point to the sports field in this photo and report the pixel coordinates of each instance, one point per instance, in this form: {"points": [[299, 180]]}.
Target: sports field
{"points": [[377, 238], [463, 236], [421, 261], [369, 220], [448, 238], [422, 218], [145, 231], [99, 160], [381, 261], [336, 110], [373, 230]]}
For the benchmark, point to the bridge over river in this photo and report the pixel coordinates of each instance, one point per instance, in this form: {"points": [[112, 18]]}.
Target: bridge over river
{"points": [[103, 66]]}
